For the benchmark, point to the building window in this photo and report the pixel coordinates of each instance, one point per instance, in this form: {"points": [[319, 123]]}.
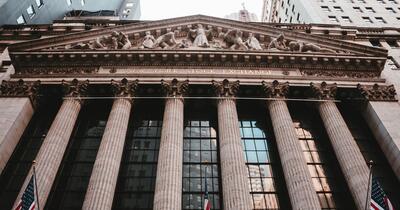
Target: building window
{"points": [[392, 43], [375, 42], [39, 3], [398, 18], [129, 4], [21, 20], [69, 2], [338, 9], [367, 20], [361, 1], [346, 19], [31, 11], [380, 20], [381, 1], [391, 10], [370, 9], [358, 9], [393, 1], [392, 63], [333, 19], [325, 8], [200, 153], [83, 2]]}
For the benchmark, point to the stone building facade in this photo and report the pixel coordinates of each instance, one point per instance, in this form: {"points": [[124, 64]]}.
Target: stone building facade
{"points": [[138, 115]]}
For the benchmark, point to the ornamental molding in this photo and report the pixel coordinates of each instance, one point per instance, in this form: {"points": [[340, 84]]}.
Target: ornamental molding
{"points": [[341, 74], [275, 89], [20, 88], [124, 88], [378, 92], [175, 88], [75, 88], [225, 88], [324, 91]]}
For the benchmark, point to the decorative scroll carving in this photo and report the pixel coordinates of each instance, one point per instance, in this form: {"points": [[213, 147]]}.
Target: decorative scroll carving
{"points": [[175, 88], [200, 36], [378, 92], [324, 91], [225, 88], [350, 74], [276, 89], [124, 88], [75, 88], [253, 43], [20, 88], [233, 39]]}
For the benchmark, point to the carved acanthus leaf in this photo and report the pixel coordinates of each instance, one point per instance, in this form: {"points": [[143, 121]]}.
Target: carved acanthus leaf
{"points": [[226, 88], [377, 92], [175, 88], [20, 88], [324, 91], [75, 88], [276, 89], [124, 88]]}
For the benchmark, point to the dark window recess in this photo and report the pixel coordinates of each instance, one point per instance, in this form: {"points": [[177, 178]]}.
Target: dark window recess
{"points": [[392, 43], [375, 42]]}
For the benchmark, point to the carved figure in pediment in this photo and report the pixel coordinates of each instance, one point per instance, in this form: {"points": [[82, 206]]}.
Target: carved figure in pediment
{"points": [[183, 44], [117, 40], [148, 41], [200, 36], [234, 40], [166, 41], [278, 43], [253, 43], [307, 47]]}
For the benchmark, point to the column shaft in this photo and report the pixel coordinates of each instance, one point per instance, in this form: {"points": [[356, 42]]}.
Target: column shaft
{"points": [[52, 151], [168, 192], [100, 192], [347, 152], [235, 184], [297, 176]]}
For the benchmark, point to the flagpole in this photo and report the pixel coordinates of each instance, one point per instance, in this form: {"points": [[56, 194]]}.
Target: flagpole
{"points": [[36, 189], [370, 163]]}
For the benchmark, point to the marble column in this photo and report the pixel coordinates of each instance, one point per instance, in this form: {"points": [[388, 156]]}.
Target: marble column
{"points": [[168, 192], [382, 114], [297, 176], [52, 150], [101, 188], [351, 161], [17, 102], [235, 182]]}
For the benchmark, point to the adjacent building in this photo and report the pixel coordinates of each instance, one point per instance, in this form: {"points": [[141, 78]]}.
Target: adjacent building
{"points": [[361, 13], [243, 15], [45, 11], [137, 115]]}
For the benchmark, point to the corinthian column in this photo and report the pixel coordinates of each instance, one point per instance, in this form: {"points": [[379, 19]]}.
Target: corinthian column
{"points": [[298, 179], [100, 192], [351, 161], [52, 151], [168, 193], [233, 167], [17, 102]]}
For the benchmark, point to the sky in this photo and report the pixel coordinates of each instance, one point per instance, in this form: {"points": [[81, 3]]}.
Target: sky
{"points": [[163, 9]]}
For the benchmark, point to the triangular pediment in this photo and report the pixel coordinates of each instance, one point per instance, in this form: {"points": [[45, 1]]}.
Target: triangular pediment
{"points": [[183, 34]]}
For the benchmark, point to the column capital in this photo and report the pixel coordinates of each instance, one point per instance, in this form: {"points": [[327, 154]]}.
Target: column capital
{"points": [[75, 88], [225, 88], [378, 92], [124, 88], [275, 89], [324, 91], [175, 88], [20, 88]]}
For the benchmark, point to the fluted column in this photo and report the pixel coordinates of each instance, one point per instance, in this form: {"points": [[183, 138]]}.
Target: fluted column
{"points": [[17, 102], [168, 192], [235, 183], [101, 188], [52, 150], [297, 176], [351, 161]]}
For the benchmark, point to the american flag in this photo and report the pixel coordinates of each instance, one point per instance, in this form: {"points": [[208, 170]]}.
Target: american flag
{"points": [[207, 204], [379, 200], [28, 201]]}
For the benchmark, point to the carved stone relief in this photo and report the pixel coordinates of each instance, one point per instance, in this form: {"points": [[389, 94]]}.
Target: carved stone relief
{"points": [[20, 88], [378, 92], [276, 89], [324, 91], [175, 88], [225, 88]]}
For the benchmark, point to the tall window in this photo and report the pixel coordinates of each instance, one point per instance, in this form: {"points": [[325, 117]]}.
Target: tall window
{"points": [[137, 176], [328, 182], [31, 11], [70, 186], [39, 3], [200, 151], [18, 166]]}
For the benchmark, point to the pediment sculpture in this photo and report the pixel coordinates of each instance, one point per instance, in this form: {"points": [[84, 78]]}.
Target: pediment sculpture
{"points": [[198, 37]]}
